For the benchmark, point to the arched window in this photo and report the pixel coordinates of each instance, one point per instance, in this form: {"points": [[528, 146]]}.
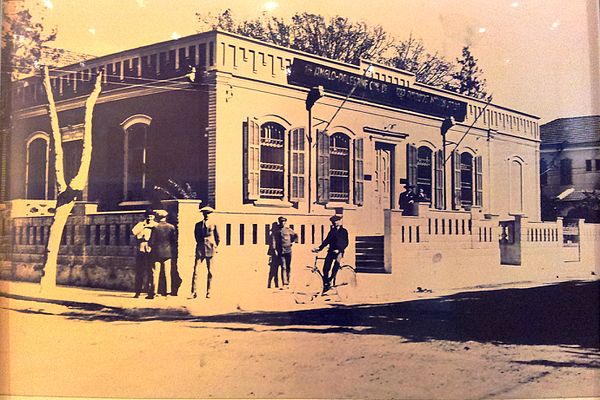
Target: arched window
{"points": [[516, 186], [466, 179], [272, 160], [137, 131], [424, 171], [37, 168], [339, 170]]}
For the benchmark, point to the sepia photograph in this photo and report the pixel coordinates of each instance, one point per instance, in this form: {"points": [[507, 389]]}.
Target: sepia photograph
{"points": [[285, 199]]}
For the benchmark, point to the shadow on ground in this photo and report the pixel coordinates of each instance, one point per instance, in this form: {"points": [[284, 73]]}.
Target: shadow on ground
{"points": [[559, 314]]}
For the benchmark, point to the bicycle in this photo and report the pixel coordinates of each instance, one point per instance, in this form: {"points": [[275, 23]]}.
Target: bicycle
{"points": [[342, 285]]}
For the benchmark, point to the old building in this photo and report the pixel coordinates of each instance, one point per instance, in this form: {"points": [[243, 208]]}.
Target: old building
{"points": [[260, 131]]}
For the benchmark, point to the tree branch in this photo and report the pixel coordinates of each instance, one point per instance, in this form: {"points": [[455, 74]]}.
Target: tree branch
{"points": [[78, 182], [56, 139]]}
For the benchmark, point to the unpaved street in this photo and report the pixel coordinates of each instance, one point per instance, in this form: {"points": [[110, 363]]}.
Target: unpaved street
{"points": [[471, 345]]}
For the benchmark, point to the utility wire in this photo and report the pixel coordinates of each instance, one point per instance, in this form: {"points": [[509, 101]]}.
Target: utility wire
{"points": [[469, 128]]}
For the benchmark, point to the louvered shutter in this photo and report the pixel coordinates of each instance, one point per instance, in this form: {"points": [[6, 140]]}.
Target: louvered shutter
{"points": [[359, 172], [322, 167], [478, 181], [456, 198], [251, 133], [439, 180], [296, 164], [411, 165]]}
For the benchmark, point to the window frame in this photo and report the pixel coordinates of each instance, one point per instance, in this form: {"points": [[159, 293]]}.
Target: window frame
{"points": [[126, 125], [33, 137]]}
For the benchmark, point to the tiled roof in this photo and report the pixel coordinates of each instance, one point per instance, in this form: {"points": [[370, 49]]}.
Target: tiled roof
{"points": [[580, 195], [572, 130], [61, 57]]}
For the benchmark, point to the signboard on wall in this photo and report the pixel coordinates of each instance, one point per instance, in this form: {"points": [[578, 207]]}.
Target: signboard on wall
{"points": [[308, 74]]}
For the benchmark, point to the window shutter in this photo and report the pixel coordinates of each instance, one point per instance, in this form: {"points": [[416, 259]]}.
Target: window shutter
{"points": [[251, 133], [439, 180], [478, 181], [456, 204], [296, 164], [322, 167], [411, 165], [359, 172]]}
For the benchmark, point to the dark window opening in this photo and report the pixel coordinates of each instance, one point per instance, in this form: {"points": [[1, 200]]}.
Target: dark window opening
{"points": [[339, 167]]}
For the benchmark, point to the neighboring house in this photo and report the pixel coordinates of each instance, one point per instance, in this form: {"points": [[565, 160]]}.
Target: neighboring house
{"points": [[570, 168]]}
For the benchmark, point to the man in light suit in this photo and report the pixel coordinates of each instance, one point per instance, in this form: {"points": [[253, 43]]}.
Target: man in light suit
{"points": [[207, 241]]}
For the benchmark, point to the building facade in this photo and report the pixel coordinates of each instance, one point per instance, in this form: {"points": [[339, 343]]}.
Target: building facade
{"points": [[259, 131], [570, 168]]}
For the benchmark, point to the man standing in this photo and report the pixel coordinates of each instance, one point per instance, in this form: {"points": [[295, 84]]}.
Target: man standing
{"points": [[281, 243], [162, 242], [337, 240], [142, 231], [207, 241]]}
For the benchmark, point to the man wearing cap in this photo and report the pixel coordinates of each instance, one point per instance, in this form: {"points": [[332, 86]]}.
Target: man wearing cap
{"points": [[207, 241], [337, 240], [162, 242], [281, 244]]}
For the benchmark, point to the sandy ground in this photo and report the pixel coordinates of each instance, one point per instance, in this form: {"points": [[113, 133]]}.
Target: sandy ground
{"points": [[449, 348]]}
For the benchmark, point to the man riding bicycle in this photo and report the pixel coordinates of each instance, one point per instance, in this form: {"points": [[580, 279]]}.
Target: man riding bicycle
{"points": [[337, 240]]}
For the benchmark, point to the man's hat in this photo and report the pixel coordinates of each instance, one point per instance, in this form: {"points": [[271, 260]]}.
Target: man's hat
{"points": [[335, 218], [207, 209], [282, 218], [161, 213]]}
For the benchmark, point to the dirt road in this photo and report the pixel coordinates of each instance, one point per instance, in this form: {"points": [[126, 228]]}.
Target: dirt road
{"points": [[496, 344]]}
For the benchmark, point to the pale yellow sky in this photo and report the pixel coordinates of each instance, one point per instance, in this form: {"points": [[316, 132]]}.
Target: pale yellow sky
{"points": [[539, 56]]}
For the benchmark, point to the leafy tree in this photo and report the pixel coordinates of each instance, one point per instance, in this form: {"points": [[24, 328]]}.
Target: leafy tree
{"points": [[341, 39], [23, 41], [431, 69], [468, 80], [336, 38]]}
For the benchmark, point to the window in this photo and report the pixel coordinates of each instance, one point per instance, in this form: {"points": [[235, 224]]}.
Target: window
{"points": [[421, 174], [37, 168], [271, 160], [424, 172], [516, 186], [588, 165], [339, 167], [466, 179], [268, 168], [597, 164], [333, 168], [566, 175], [135, 174]]}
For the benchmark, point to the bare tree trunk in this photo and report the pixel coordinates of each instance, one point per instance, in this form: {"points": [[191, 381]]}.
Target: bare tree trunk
{"points": [[67, 193], [59, 221]]}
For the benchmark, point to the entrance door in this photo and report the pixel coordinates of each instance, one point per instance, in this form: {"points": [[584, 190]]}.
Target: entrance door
{"points": [[384, 170]]}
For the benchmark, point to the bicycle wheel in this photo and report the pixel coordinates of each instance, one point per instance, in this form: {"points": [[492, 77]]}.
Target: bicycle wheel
{"points": [[307, 288], [345, 282]]}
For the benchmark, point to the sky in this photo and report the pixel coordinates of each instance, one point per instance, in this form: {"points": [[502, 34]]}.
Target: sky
{"points": [[538, 56]]}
